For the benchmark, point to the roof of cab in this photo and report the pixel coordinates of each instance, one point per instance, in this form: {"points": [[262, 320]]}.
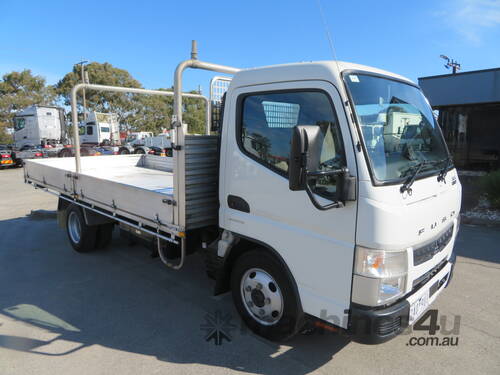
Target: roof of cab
{"points": [[314, 70]]}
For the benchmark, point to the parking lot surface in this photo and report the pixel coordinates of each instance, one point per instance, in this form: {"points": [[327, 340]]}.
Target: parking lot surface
{"points": [[121, 311]]}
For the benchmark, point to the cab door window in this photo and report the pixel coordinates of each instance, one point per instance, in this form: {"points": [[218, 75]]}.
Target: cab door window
{"points": [[19, 123], [265, 131]]}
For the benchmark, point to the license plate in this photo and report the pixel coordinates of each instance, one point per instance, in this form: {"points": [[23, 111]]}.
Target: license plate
{"points": [[418, 307]]}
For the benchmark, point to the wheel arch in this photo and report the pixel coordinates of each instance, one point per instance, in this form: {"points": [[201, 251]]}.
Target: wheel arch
{"points": [[242, 245], [62, 211], [91, 218]]}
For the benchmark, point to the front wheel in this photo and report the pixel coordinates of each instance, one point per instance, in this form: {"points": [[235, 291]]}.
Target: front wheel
{"points": [[265, 297]]}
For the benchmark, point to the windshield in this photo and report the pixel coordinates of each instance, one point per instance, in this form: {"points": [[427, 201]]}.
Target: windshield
{"points": [[131, 138], [398, 127], [19, 123]]}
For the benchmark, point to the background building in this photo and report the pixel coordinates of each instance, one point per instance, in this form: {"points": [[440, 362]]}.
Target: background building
{"points": [[469, 115]]}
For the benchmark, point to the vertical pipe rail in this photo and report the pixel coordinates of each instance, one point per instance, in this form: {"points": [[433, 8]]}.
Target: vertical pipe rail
{"points": [[180, 130]]}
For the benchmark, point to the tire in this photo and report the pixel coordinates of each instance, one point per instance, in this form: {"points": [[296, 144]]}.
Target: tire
{"points": [[271, 291], [139, 151], [64, 153], [104, 235], [124, 151], [81, 236]]}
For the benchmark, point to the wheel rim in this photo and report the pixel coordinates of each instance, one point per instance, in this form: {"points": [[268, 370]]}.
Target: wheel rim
{"points": [[74, 227], [261, 296]]}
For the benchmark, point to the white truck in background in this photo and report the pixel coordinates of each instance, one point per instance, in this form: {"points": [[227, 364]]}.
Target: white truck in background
{"points": [[296, 214], [147, 143], [100, 129], [39, 126]]}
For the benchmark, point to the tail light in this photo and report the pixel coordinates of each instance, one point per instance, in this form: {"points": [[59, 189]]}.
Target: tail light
{"points": [[38, 154], [6, 156], [47, 146], [67, 146], [151, 152], [115, 152]]}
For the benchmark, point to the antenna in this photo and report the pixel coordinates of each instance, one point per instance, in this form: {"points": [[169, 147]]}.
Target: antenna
{"points": [[450, 63], [328, 35]]}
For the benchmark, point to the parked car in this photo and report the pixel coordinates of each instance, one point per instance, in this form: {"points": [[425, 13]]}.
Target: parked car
{"points": [[6, 159], [69, 151]]}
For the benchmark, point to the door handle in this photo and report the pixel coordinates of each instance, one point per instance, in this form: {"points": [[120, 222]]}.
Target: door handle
{"points": [[238, 203]]}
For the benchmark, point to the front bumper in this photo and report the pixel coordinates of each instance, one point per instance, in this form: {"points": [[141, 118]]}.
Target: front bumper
{"points": [[371, 325]]}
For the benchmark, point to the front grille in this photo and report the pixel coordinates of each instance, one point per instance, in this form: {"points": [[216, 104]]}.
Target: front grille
{"points": [[388, 326], [424, 253], [428, 275]]}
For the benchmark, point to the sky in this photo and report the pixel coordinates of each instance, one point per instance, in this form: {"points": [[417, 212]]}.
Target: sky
{"points": [[149, 38]]}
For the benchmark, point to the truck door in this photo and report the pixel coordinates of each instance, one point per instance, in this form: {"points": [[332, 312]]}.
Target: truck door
{"points": [[316, 245], [88, 134]]}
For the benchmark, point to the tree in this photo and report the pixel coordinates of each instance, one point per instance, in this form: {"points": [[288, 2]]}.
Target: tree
{"points": [[123, 105], [19, 90], [194, 114], [152, 113], [136, 112]]}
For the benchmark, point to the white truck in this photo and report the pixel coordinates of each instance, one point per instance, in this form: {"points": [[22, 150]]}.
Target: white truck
{"points": [[146, 142], [100, 128], [39, 126], [296, 215]]}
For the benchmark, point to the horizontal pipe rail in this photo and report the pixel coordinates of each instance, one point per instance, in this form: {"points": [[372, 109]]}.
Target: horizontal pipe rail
{"points": [[131, 90]]}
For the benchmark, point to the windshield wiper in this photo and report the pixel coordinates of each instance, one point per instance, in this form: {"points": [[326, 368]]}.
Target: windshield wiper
{"points": [[444, 171], [407, 185], [418, 167]]}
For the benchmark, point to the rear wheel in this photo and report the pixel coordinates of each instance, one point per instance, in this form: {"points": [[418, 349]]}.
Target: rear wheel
{"points": [[124, 151], [264, 296], [140, 151], [81, 236]]}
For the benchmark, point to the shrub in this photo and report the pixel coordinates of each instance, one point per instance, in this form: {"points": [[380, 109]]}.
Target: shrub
{"points": [[491, 187]]}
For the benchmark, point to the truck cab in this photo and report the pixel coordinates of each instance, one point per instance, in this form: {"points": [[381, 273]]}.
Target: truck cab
{"points": [[365, 229], [39, 126], [138, 138], [100, 128]]}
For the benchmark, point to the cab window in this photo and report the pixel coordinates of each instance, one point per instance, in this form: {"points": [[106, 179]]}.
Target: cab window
{"points": [[19, 123], [265, 131]]}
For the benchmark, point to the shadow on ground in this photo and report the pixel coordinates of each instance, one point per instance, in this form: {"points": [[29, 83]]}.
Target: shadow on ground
{"points": [[475, 242], [123, 299]]}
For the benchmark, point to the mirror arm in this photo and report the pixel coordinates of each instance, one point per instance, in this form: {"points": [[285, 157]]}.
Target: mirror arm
{"points": [[333, 172], [337, 204], [316, 204]]}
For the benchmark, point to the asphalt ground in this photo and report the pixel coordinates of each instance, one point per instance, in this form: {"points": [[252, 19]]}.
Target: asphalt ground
{"points": [[119, 311]]}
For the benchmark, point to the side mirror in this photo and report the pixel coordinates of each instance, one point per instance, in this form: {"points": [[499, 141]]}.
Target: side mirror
{"points": [[304, 154], [304, 161]]}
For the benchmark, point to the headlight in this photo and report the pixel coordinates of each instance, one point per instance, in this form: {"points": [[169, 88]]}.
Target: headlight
{"points": [[390, 289], [380, 263], [380, 276]]}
